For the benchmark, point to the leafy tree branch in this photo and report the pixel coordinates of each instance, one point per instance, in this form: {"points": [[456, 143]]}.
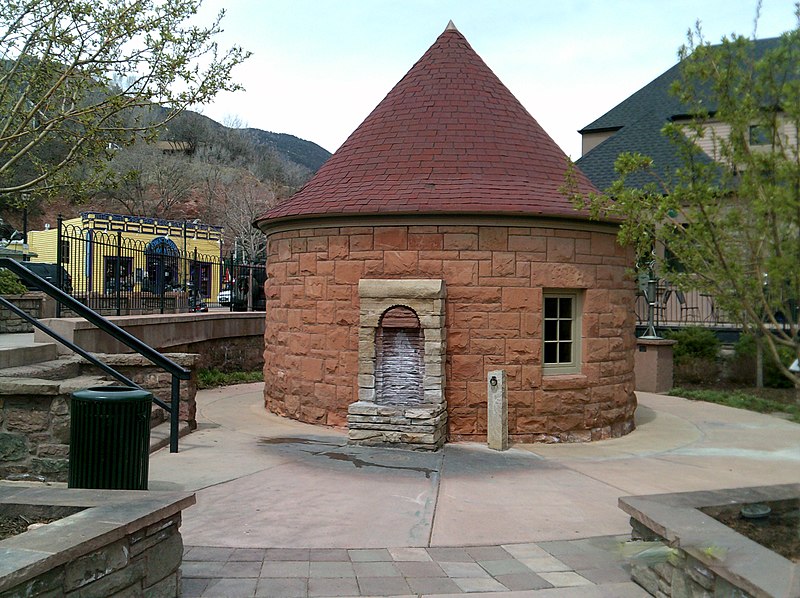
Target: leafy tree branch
{"points": [[80, 79], [730, 213]]}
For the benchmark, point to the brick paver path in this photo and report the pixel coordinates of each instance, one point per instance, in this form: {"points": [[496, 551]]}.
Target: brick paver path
{"points": [[588, 567]]}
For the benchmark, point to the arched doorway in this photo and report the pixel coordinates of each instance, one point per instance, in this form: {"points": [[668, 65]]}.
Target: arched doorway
{"points": [[162, 265]]}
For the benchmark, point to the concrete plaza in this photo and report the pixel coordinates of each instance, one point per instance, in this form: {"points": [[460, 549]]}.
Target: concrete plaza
{"points": [[288, 509]]}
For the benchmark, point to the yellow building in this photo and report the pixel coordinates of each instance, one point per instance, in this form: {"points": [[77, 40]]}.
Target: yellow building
{"points": [[109, 254]]}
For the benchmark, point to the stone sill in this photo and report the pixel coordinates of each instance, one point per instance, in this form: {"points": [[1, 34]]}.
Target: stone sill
{"points": [[106, 516], [744, 563]]}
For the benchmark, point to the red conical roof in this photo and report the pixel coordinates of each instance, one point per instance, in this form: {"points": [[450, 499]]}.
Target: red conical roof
{"points": [[449, 138]]}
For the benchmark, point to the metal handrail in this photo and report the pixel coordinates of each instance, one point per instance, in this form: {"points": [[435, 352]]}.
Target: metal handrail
{"points": [[178, 372], [73, 347]]}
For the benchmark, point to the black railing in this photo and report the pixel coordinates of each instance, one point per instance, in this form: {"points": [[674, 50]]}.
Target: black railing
{"points": [[676, 309], [177, 372]]}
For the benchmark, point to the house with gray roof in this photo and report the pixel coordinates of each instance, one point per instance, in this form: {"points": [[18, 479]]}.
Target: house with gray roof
{"points": [[635, 124]]}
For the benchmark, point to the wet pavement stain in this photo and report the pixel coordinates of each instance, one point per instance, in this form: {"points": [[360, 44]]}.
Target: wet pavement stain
{"points": [[359, 463], [290, 440]]}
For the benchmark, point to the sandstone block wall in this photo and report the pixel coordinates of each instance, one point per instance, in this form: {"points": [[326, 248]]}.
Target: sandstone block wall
{"points": [[494, 277], [30, 303]]}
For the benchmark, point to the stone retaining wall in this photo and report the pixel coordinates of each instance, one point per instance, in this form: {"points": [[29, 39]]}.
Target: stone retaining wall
{"points": [[229, 341], [687, 553], [35, 416], [30, 303], [679, 575]]}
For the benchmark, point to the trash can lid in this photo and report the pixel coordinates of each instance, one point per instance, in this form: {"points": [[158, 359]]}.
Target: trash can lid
{"points": [[113, 393]]}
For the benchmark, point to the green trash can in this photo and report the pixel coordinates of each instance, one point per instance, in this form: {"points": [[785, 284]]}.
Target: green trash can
{"points": [[109, 438]]}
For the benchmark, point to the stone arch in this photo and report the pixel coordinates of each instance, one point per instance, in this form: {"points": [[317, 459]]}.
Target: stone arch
{"points": [[409, 305]]}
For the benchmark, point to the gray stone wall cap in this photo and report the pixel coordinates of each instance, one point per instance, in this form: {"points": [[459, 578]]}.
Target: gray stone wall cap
{"points": [[159, 319], [28, 386]]}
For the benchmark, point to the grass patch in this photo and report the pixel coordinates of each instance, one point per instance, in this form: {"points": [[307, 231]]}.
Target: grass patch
{"points": [[215, 378], [740, 400]]}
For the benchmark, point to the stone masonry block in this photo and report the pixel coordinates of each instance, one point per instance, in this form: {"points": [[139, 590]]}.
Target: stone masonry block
{"points": [[163, 559], [434, 335], [431, 321], [433, 395], [434, 370], [13, 447], [366, 394], [432, 382], [87, 569], [419, 289]]}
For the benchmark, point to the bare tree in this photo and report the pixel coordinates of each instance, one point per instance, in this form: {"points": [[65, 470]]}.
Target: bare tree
{"points": [[246, 199], [150, 182]]}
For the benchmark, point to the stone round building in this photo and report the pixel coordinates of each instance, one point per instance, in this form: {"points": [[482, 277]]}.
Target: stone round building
{"points": [[434, 247]]}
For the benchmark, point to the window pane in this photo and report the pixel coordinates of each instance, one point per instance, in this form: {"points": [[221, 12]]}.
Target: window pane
{"points": [[760, 135], [550, 307], [564, 352], [565, 307], [550, 352], [551, 330], [565, 330]]}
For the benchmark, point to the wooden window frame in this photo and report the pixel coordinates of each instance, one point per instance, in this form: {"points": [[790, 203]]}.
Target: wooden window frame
{"points": [[573, 366]]}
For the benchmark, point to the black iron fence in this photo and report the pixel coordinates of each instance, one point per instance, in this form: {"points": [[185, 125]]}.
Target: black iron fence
{"points": [[675, 308], [115, 274]]}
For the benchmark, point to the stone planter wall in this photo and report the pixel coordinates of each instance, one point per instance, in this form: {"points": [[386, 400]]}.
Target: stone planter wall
{"points": [[494, 276], [119, 544], [34, 428], [30, 303], [688, 553], [679, 574], [225, 340]]}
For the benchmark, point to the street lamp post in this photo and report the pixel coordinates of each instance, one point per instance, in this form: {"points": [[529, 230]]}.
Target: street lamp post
{"points": [[651, 295]]}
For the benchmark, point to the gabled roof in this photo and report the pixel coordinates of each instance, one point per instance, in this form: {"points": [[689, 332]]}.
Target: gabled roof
{"points": [[637, 122], [448, 138], [641, 136]]}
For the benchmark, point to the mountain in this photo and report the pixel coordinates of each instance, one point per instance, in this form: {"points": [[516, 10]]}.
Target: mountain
{"points": [[197, 130], [302, 152]]}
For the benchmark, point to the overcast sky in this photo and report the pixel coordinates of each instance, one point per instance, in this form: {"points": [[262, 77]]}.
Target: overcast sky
{"points": [[319, 67]]}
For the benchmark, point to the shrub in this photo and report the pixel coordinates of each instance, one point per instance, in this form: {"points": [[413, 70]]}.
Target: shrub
{"points": [[695, 355], [694, 342], [10, 284], [745, 352]]}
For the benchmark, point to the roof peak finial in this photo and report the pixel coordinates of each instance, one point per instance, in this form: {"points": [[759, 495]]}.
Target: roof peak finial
{"points": [[451, 26]]}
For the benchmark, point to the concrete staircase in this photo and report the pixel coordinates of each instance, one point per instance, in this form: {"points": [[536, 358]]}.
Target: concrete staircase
{"points": [[35, 368], [20, 349]]}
